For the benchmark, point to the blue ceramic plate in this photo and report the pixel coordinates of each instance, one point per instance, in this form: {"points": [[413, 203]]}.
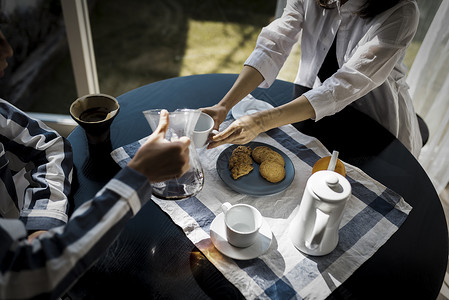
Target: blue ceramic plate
{"points": [[253, 183]]}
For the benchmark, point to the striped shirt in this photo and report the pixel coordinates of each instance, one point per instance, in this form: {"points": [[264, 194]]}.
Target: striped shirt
{"points": [[47, 267], [36, 168]]}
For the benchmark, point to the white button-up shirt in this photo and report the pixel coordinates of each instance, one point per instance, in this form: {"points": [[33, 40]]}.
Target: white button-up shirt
{"points": [[370, 56]]}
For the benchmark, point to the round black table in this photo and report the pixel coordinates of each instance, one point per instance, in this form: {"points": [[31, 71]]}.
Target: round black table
{"points": [[153, 258]]}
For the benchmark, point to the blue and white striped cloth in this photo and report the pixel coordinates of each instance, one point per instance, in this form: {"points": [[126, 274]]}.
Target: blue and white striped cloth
{"points": [[372, 215], [36, 168]]}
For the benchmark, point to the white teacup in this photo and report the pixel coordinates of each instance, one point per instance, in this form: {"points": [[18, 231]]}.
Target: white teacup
{"points": [[243, 222], [202, 130]]}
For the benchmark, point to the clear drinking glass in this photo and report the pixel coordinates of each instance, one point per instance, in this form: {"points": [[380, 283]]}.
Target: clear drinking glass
{"points": [[181, 123]]}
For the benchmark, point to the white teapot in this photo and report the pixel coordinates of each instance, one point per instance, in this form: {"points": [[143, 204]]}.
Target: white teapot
{"points": [[314, 229]]}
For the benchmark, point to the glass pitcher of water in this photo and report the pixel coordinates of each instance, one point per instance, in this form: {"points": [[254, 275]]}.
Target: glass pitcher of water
{"points": [[181, 123]]}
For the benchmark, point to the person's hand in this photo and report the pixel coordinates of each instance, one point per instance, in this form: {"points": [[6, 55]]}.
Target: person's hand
{"points": [[241, 131], [218, 113], [35, 234], [159, 159]]}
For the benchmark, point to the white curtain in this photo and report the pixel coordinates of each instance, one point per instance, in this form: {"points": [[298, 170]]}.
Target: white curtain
{"points": [[429, 87]]}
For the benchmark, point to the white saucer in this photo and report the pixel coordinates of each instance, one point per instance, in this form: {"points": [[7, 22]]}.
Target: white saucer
{"points": [[218, 237], [249, 105]]}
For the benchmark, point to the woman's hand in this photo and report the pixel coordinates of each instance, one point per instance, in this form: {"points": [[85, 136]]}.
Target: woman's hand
{"points": [[241, 131], [218, 113], [248, 127]]}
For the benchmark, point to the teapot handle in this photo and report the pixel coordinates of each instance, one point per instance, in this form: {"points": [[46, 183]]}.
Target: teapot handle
{"points": [[318, 230]]}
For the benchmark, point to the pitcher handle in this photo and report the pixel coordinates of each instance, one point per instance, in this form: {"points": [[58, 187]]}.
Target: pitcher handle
{"points": [[318, 230]]}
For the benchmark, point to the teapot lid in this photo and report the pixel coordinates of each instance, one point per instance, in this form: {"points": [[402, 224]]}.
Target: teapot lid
{"points": [[329, 186]]}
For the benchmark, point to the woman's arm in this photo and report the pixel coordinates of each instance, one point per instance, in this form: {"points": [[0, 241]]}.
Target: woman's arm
{"points": [[248, 127], [248, 79], [274, 44], [371, 62]]}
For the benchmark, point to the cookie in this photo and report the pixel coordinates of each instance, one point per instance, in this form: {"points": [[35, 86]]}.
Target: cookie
{"points": [[272, 171], [241, 169], [244, 149], [259, 152], [273, 156], [239, 158]]}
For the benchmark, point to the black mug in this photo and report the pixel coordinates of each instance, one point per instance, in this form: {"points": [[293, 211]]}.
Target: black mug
{"points": [[95, 114]]}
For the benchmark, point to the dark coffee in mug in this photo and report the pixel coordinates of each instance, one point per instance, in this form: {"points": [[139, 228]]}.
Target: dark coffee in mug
{"points": [[94, 114]]}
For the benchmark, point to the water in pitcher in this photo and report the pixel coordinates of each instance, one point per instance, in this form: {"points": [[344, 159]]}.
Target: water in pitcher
{"points": [[186, 186], [181, 123]]}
